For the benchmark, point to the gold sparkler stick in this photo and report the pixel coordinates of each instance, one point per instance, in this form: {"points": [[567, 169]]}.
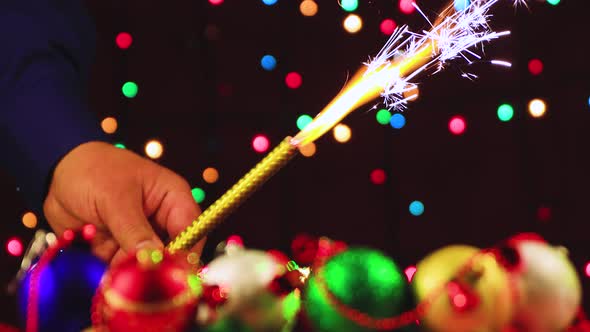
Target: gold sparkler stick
{"points": [[235, 196]]}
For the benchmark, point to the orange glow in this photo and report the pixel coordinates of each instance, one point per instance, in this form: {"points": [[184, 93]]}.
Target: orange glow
{"points": [[29, 220], [154, 149], [308, 8], [308, 150], [412, 93], [210, 175], [109, 125]]}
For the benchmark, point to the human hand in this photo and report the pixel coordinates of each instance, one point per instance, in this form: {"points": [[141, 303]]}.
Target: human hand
{"points": [[132, 201]]}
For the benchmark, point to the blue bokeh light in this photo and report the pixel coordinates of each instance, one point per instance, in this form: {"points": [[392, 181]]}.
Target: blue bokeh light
{"points": [[460, 5], [397, 121], [268, 62], [416, 208], [269, 2]]}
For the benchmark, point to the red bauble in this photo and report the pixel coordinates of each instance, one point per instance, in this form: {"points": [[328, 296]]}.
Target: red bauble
{"points": [[149, 291]]}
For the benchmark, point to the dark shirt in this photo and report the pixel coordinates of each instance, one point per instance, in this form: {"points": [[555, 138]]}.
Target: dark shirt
{"points": [[46, 49]]}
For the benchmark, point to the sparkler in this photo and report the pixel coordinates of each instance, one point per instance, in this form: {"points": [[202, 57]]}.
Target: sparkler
{"points": [[405, 56]]}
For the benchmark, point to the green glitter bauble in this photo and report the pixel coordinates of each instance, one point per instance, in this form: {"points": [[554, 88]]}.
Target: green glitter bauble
{"points": [[362, 279]]}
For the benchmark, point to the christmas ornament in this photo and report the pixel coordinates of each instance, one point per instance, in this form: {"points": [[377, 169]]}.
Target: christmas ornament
{"points": [[148, 291], [358, 290], [466, 290]]}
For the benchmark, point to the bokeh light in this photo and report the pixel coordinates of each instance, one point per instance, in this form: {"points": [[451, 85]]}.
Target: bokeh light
{"points": [[412, 93], [387, 26], [123, 40], [383, 116], [293, 80], [416, 208], [587, 269], [308, 149], [303, 120], [409, 272], [378, 176], [553, 2], [269, 2], [130, 89], [537, 108], [268, 62], [154, 149], [210, 175], [120, 146], [397, 121], [342, 133], [260, 143], [88, 232], [308, 8], [407, 6], [198, 195], [215, 2], [349, 5], [109, 125], [353, 23], [14, 246], [535, 66], [460, 5], [505, 112], [457, 125], [29, 219]]}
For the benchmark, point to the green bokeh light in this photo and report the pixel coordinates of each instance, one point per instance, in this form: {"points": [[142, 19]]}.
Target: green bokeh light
{"points": [[303, 121], [130, 89], [554, 2], [383, 116], [120, 146], [505, 112], [349, 5], [198, 195]]}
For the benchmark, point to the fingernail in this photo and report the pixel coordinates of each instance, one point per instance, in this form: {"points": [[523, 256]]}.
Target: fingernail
{"points": [[148, 244]]}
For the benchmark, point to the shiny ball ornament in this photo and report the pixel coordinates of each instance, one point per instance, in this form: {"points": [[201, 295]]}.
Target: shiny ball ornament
{"points": [[549, 287], [466, 291], [148, 291], [354, 290]]}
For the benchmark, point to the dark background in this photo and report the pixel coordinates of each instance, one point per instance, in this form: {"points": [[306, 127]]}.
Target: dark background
{"points": [[203, 93]]}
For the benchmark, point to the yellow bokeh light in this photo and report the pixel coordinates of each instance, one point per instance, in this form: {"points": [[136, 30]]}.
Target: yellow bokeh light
{"points": [[50, 238], [154, 149], [308, 8], [308, 150], [353, 23], [342, 133], [109, 125], [29, 220], [537, 108], [411, 93], [210, 175]]}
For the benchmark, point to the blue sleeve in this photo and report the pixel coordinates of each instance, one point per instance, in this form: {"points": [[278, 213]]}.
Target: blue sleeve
{"points": [[44, 61]]}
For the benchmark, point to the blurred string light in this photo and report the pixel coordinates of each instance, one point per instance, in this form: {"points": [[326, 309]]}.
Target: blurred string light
{"points": [[260, 143], [293, 80], [268, 62], [130, 89], [349, 5], [460, 5], [308, 8], [457, 125], [353, 23], [387, 26], [29, 219], [120, 146], [553, 2], [210, 175], [383, 116], [416, 208], [308, 150], [505, 112], [407, 6], [303, 120], [537, 108], [378, 176], [14, 246], [154, 149], [269, 2], [198, 195], [342, 133], [109, 125], [535, 67], [215, 2], [397, 121], [123, 40]]}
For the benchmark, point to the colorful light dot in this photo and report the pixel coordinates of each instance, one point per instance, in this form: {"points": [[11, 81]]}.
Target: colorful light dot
{"points": [[387, 26], [353, 23], [88, 232], [303, 120], [383, 116], [349, 5], [210, 175], [416, 208], [397, 121], [342, 133], [535, 67], [130, 89], [587, 269], [123, 40], [198, 195], [308, 8], [411, 93], [120, 146], [215, 2], [269, 2], [378, 176], [268, 62], [407, 6], [109, 125], [544, 213], [29, 219], [457, 125], [460, 5], [14, 246], [308, 149], [505, 112], [260, 143], [68, 235], [154, 149], [409, 272], [553, 2], [537, 108], [293, 80]]}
